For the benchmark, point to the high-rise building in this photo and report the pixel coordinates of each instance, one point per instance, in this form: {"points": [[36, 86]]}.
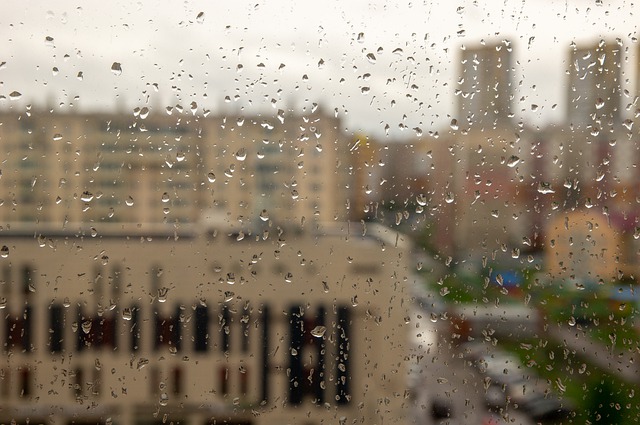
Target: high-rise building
{"points": [[485, 85], [594, 93]]}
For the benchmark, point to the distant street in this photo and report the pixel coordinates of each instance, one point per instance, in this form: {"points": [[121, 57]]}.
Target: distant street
{"points": [[439, 375], [620, 362]]}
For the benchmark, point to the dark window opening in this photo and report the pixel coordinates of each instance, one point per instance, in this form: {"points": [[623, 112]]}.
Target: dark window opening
{"points": [[56, 314], [25, 382], [168, 331], [18, 331], [201, 340], [223, 374]]}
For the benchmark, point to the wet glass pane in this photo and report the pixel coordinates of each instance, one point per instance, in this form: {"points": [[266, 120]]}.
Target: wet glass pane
{"points": [[342, 212]]}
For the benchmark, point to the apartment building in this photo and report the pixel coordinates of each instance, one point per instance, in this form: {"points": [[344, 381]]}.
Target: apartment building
{"points": [[151, 167]]}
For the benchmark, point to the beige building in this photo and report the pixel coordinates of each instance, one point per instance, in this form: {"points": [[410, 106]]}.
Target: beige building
{"points": [[197, 325], [152, 168]]}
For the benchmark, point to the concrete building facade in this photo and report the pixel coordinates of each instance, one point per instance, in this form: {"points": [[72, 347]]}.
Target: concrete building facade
{"points": [[201, 326]]}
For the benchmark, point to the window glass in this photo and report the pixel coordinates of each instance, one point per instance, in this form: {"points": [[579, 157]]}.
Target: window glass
{"points": [[331, 212]]}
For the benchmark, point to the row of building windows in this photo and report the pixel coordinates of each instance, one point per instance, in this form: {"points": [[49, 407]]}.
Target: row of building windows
{"points": [[306, 358]]}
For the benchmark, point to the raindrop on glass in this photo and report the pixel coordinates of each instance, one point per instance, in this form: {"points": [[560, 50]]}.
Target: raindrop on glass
{"points": [[116, 68]]}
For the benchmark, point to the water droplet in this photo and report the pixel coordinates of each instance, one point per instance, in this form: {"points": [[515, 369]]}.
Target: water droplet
{"points": [[15, 95], [545, 188], [180, 156], [142, 362], [57, 137], [371, 58], [86, 326], [55, 71], [264, 215], [4, 251], [318, 331], [449, 198], [513, 161], [165, 197], [162, 294], [288, 278], [127, 314], [231, 278], [360, 37], [129, 201], [241, 155], [86, 196], [94, 232], [48, 41], [80, 75], [200, 17], [116, 68], [599, 103]]}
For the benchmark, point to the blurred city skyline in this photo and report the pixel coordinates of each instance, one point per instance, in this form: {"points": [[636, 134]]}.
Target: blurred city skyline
{"points": [[357, 59]]}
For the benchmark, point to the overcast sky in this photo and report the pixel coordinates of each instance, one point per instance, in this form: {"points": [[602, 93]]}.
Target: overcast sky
{"points": [[360, 57]]}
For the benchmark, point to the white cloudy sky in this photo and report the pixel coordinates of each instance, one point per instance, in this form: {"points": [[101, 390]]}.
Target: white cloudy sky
{"points": [[258, 52]]}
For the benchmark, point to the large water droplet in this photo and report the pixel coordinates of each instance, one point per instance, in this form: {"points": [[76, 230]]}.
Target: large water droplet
{"points": [[318, 331], [116, 68], [241, 155], [545, 188], [86, 326], [86, 196], [513, 161], [15, 95], [162, 294]]}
